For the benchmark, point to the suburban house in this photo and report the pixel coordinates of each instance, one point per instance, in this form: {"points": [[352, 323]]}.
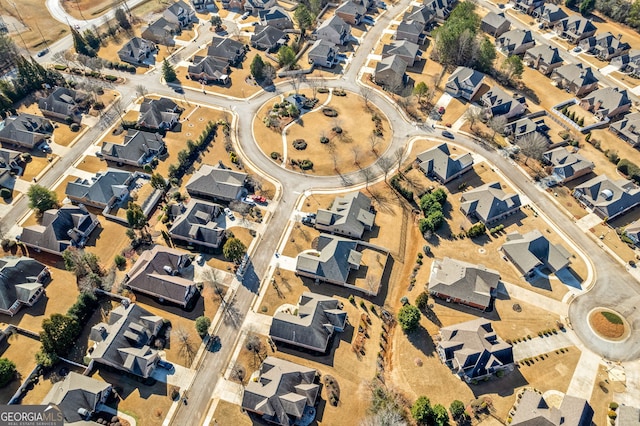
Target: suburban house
{"points": [[25, 130], [162, 32], [515, 42], [567, 165], [608, 198], [532, 409], [524, 127], [68, 226], [195, 224], [349, 215], [575, 79], [628, 129], [334, 30], [441, 9], [163, 273], [11, 161], [227, 49], [549, 15], [322, 53], [202, 5], [533, 251], [608, 102], [22, 281], [217, 184], [410, 31], [575, 28], [104, 189], [632, 231], [78, 396], [390, 73], [628, 63], [421, 15], [437, 163], [627, 416], [406, 50], [527, 6], [139, 148], [268, 38], [282, 393], [473, 350], [233, 4], [605, 46], [333, 262], [543, 58], [208, 69], [126, 341], [62, 104], [495, 24], [138, 51], [275, 17], [161, 114], [464, 283], [315, 321], [352, 13], [498, 102], [489, 203], [180, 13], [464, 83], [254, 7]]}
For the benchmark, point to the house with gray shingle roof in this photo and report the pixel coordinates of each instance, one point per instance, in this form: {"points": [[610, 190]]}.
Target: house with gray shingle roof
{"points": [[410, 31], [12, 161], [61, 104], [217, 183], [25, 130], [268, 38], [68, 226], [203, 5], [334, 30], [390, 73], [138, 148], [126, 341], [515, 42], [533, 251], [161, 31], [532, 409], [627, 416], [464, 283], [323, 53], [438, 163], [608, 198], [163, 273], [498, 102], [464, 83], [312, 326], [628, 63], [138, 51], [333, 261], [472, 350], [352, 13], [567, 165], [406, 50], [628, 129], [543, 58], [282, 393], [421, 15], [524, 127], [495, 24], [549, 15], [527, 6], [159, 114], [77, 394], [208, 69], [608, 102], [180, 13], [195, 223], [633, 232], [227, 49], [574, 78], [604, 46], [104, 189], [575, 28], [22, 281], [441, 9], [255, 6], [275, 17], [350, 215], [489, 203]]}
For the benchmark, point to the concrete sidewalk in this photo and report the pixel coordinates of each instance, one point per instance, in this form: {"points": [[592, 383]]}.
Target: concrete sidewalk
{"points": [[540, 345], [584, 376], [535, 299]]}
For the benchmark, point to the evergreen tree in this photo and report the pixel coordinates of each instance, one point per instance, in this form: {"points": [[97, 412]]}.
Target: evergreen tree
{"points": [[587, 6], [168, 72], [122, 19], [80, 44], [257, 68], [92, 39]]}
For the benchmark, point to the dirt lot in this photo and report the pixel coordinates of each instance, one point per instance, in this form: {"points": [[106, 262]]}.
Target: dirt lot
{"points": [[31, 13], [87, 9], [604, 391], [228, 412]]}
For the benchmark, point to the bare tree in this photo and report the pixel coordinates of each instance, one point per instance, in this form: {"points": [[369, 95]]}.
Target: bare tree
{"points": [[186, 347], [356, 154], [374, 141], [385, 164], [254, 345], [296, 81], [472, 114], [400, 156], [497, 125], [384, 417], [367, 175], [313, 84], [365, 92], [533, 146], [141, 90]]}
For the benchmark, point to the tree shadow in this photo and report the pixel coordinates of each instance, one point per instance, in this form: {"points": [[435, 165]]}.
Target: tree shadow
{"points": [[503, 386], [421, 340], [491, 314]]}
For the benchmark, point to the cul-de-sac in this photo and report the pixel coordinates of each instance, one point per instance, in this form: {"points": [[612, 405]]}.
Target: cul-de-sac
{"points": [[319, 212]]}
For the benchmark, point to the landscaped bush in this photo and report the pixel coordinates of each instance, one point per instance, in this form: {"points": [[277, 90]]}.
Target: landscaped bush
{"points": [[476, 230], [323, 90], [330, 112], [110, 77], [339, 92], [120, 260], [395, 184], [337, 130], [324, 139], [60, 67], [300, 144], [275, 155], [629, 169], [306, 164], [74, 127], [98, 106]]}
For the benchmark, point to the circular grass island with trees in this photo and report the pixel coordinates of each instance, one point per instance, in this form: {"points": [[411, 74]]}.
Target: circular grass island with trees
{"points": [[608, 324]]}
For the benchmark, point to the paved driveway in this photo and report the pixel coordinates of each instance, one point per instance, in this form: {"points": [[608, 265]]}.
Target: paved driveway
{"points": [[540, 345]]}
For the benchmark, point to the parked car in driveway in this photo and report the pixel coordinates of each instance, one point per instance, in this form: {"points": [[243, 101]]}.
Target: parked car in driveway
{"points": [[166, 365], [259, 199], [229, 213], [245, 15]]}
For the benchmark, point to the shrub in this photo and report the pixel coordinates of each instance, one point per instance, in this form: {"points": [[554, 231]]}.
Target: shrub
{"points": [[306, 164], [422, 301], [7, 371], [324, 139], [110, 77], [476, 230], [74, 127], [300, 144], [120, 260], [352, 299], [98, 105], [408, 317], [275, 155], [202, 325], [612, 414], [59, 67], [613, 405], [323, 90], [330, 112], [337, 130]]}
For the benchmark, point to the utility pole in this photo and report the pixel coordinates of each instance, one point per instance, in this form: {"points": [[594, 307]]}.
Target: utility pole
{"points": [[18, 12], [20, 35], [46, 45]]}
